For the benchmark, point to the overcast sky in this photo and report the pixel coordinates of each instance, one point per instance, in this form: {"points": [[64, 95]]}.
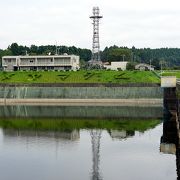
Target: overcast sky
{"points": [[139, 23]]}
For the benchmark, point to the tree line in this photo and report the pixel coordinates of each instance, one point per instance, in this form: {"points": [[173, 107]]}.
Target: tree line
{"points": [[169, 57], [15, 49]]}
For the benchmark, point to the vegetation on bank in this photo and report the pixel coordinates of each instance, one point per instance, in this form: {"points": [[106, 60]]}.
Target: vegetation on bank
{"points": [[93, 76], [71, 124], [171, 73]]}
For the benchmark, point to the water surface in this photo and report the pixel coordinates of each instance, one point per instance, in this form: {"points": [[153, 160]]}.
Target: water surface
{"points": [[46, 149]]}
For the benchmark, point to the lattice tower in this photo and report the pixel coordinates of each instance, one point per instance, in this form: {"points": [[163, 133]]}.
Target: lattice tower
{"points": [[95, 45]]}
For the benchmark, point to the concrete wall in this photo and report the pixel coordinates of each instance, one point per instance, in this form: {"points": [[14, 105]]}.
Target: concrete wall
{"points": [[81, 92], [115, 65]]}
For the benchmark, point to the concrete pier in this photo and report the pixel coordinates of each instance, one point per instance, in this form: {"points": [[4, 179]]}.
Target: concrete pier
{"points": [[171, 131]]}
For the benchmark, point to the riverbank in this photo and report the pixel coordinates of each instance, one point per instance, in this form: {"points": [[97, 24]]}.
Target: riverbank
{"points": [[81, 88]]}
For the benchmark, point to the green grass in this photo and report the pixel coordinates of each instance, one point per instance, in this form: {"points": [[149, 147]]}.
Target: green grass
{"points": [[79, 77], [70, 124], [171, 73]]}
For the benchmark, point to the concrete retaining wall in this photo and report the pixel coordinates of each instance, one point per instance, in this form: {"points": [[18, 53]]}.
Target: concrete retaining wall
{"points": [[81, 92]]}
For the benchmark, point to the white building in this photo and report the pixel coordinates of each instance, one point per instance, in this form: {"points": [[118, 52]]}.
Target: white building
{"points": [[143, 67], [117, 65], [56, 62]]}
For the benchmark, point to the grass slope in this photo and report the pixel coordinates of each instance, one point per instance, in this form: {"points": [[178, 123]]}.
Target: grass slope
{"points": [[79, 77], [171, 73]]}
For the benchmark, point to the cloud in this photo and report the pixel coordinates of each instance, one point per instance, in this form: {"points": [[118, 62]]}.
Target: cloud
{"points": [[125, 23]]}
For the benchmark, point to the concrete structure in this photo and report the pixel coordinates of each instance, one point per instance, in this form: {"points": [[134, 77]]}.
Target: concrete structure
{"points": [[168, 81], [56, 62], [72, 91], [143, 67], [116, 65]]}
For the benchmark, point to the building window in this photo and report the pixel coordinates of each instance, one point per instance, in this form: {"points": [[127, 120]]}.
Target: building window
{"points": [[31, 61]]}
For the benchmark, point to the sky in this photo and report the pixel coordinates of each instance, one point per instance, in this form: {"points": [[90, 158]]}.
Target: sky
{"points": [[139, 23]]}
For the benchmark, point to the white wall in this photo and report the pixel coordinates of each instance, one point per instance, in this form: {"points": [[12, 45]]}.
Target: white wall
{"points": [[116, 65]]}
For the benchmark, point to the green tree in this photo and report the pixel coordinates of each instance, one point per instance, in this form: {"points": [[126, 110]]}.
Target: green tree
{"points": [[120, 54]]}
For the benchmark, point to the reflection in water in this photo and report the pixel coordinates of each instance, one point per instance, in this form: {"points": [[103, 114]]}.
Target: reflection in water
{"points": [[81, 111], [170, 140], [85, 146], [123, 134], [29, 130], [69, 135], [95, 140]]}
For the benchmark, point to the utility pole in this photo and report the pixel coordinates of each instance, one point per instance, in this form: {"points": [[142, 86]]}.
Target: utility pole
{"points": [[123, 56]]}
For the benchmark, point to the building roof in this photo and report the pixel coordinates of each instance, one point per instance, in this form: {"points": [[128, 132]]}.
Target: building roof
{"points": [[39, 56]]}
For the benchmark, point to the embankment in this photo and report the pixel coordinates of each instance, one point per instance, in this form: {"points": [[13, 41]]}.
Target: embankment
{"points": [[81, 91]]}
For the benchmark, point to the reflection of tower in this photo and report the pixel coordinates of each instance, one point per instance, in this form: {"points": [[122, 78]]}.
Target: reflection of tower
{"points": [[95, 46], [95, 140]]}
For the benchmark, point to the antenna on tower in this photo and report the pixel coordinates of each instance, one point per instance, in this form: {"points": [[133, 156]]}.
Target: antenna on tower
{"points": [[96, 59]]}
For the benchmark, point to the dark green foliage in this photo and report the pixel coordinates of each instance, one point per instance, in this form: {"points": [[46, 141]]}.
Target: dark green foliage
{"points": [[169, 56], [120, 54], [15, 49], [18, 50]]}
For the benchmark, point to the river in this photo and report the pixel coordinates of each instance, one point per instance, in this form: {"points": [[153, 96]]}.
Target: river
{"points": [[80, 148]]}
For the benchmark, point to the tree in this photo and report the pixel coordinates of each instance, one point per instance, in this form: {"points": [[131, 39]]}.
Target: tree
{"points": [[14, 48], [120, 54]]}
